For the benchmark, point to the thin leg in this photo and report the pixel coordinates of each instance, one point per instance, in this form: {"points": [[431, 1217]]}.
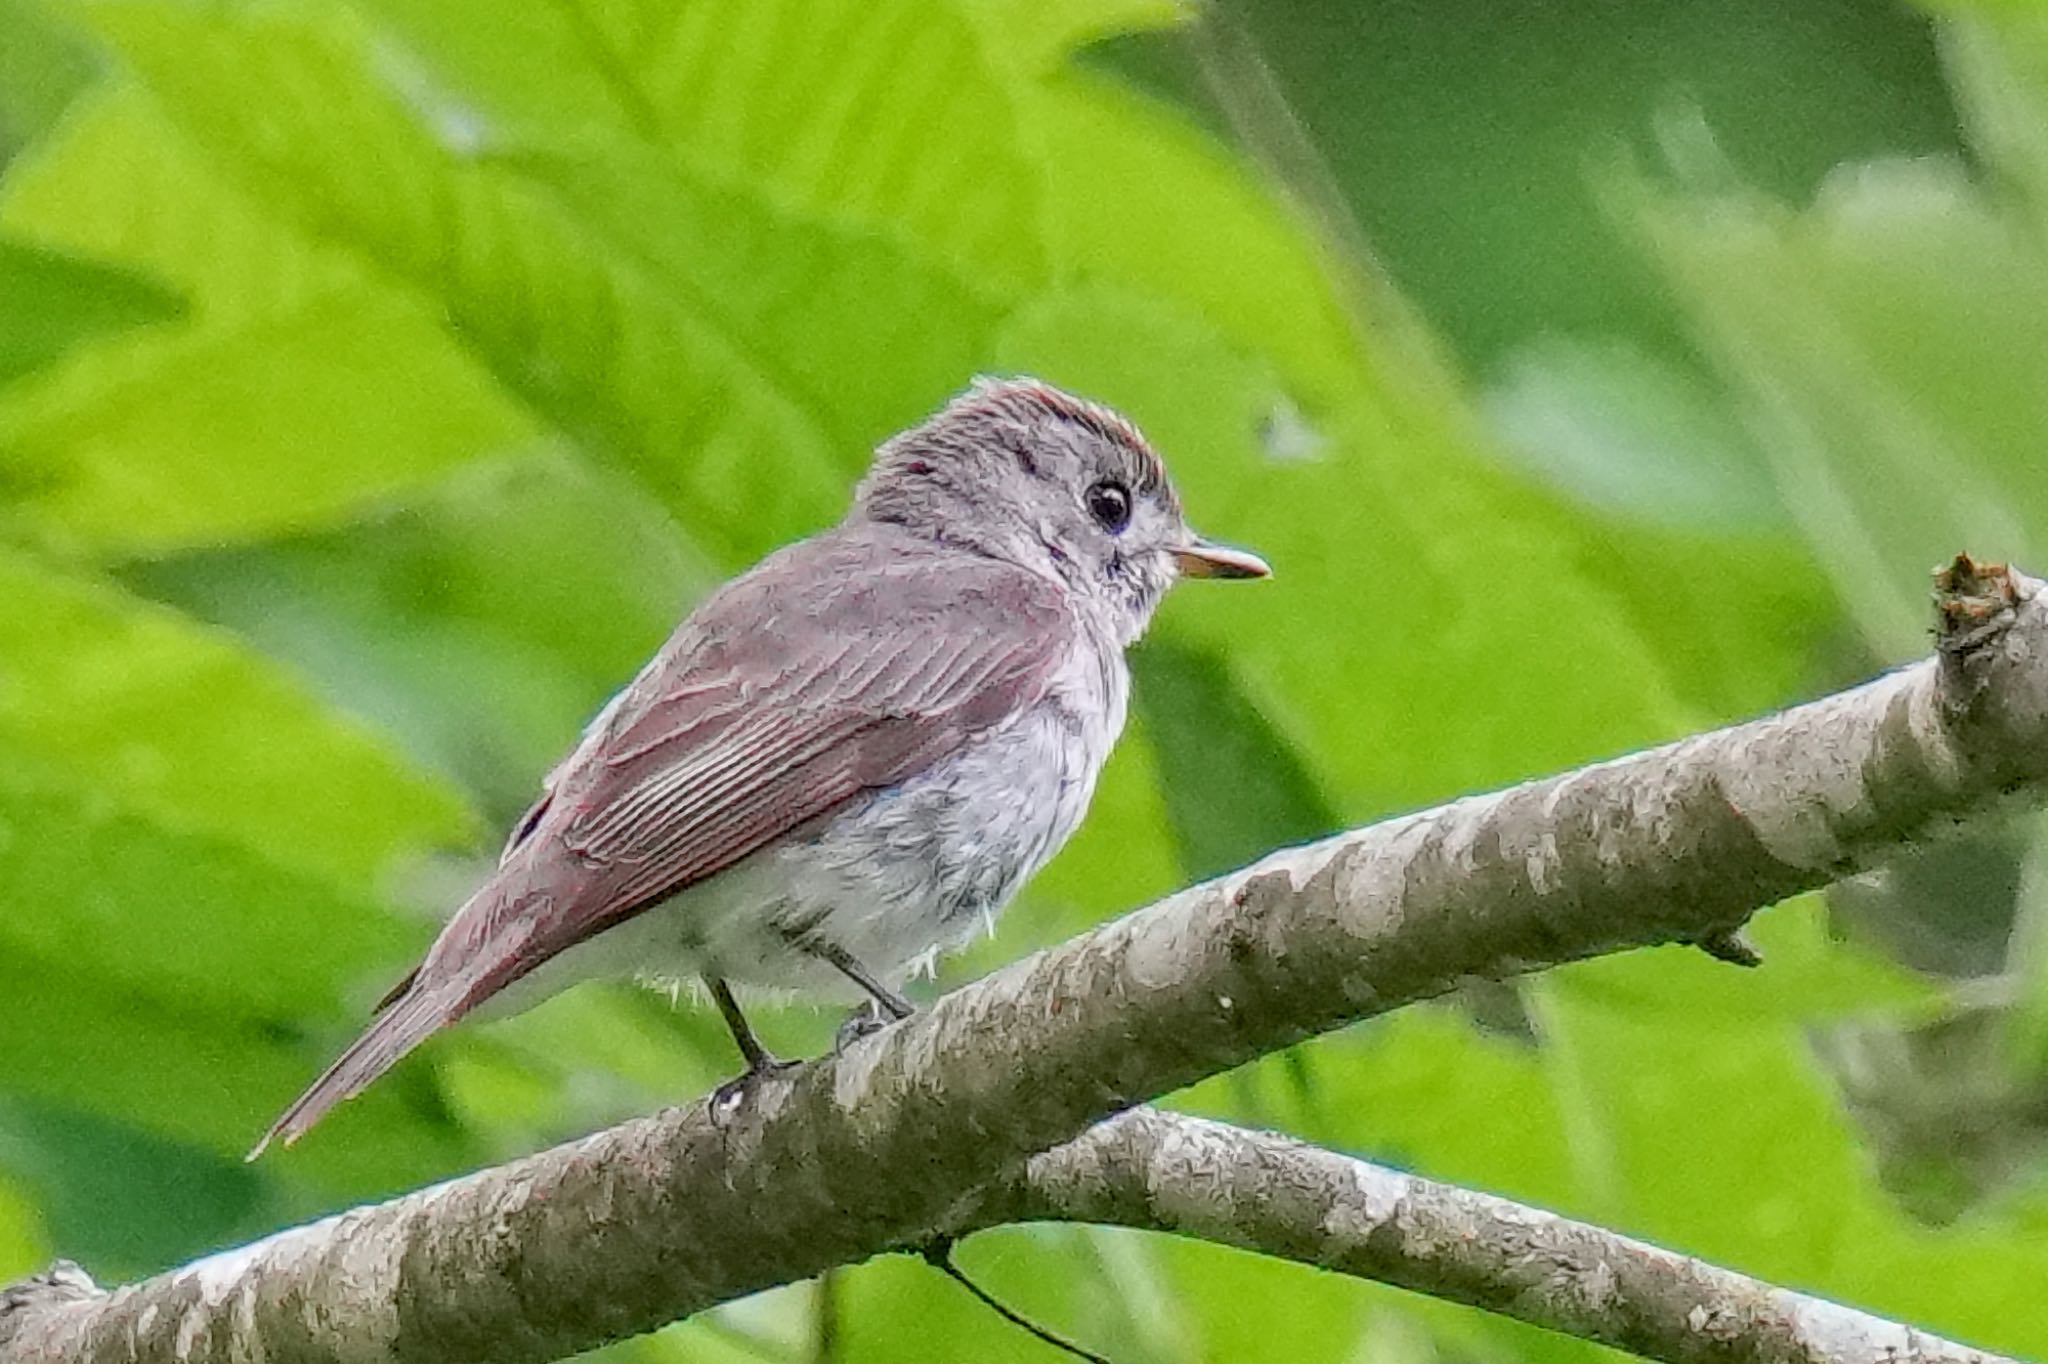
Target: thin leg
{"points": [[759, 1059], [893, 1004]]}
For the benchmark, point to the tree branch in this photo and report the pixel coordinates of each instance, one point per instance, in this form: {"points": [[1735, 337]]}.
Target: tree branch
{"points": [[1169, 1172], [882, 1145]]}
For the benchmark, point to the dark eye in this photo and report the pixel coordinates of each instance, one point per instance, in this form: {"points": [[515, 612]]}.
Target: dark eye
{"points": [[1110, 504]]}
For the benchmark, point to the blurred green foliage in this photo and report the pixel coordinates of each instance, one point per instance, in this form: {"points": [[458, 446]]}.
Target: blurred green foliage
{"points": [[379, 381]]}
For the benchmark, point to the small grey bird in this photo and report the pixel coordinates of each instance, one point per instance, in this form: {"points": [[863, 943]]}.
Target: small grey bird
{"points": [[849, 757]]}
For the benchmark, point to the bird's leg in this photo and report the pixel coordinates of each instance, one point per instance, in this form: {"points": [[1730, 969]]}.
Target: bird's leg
{"points": [[886, 999], [882, 1000], [760, 1060]]}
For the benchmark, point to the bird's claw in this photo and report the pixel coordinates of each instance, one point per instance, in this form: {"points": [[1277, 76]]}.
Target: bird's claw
{"points": [[727, 1096], [865, 1021]]}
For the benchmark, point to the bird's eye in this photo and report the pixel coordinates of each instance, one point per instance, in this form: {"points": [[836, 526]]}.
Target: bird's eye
{"points": [[1110, 504]]}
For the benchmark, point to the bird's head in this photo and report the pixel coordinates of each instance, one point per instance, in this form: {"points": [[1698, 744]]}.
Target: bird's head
{"points": [[1021, 471]]}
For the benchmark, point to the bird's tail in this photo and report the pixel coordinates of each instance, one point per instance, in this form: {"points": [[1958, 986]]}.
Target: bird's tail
{"points": [[407, 1021], [486, 946]]}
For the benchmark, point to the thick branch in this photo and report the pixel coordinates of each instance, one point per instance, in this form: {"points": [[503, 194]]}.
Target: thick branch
{"points": [[661, 1217], [1167, 1172]]}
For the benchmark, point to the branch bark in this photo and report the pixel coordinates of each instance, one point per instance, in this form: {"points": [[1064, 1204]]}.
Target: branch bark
{"points": [[1168, 1172], [884, 1144]]}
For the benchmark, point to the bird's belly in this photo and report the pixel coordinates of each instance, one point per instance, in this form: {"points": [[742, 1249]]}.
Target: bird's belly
{"points": [[894, 878]]}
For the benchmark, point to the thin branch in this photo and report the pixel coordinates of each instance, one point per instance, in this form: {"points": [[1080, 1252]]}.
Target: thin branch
{"points": [[939, 1254], [1168, 1172], [884, 1145]]}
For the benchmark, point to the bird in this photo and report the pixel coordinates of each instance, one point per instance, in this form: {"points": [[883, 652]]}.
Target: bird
{"points": [[848, 758]]}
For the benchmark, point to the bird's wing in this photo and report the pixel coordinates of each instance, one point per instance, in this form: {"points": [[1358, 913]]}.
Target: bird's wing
{"points": [[840, 665]]}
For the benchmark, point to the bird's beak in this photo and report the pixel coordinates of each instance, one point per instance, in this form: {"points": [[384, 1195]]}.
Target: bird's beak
{"points": [[1200, 559]]}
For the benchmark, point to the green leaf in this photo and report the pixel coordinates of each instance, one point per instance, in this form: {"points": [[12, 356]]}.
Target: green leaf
{"points": [[191, 845], [1721, 1138], [1628, 434], [1032, 37], [1230, 1304], [258, 432], [295, 389], [807, 305], [1191, 228], [1886, 346], [1808, 974], [1997, 61], [2025, 1044], [1234, 789], [2014, 9], [1740, 623], [187, 921], [692, 354], [213, 1083], [42, 67], [463, 625], [56, 302], [24, 1246], [120, 1201], [182, 726], [885, 118], [1379, 1091]]}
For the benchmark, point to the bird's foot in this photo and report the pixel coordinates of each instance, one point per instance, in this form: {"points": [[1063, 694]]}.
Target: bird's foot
{"points": [[865, 1021], [764, 1065]]}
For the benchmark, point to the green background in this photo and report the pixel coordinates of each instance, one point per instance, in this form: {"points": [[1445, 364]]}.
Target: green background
{"points": [[380, 380]]}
